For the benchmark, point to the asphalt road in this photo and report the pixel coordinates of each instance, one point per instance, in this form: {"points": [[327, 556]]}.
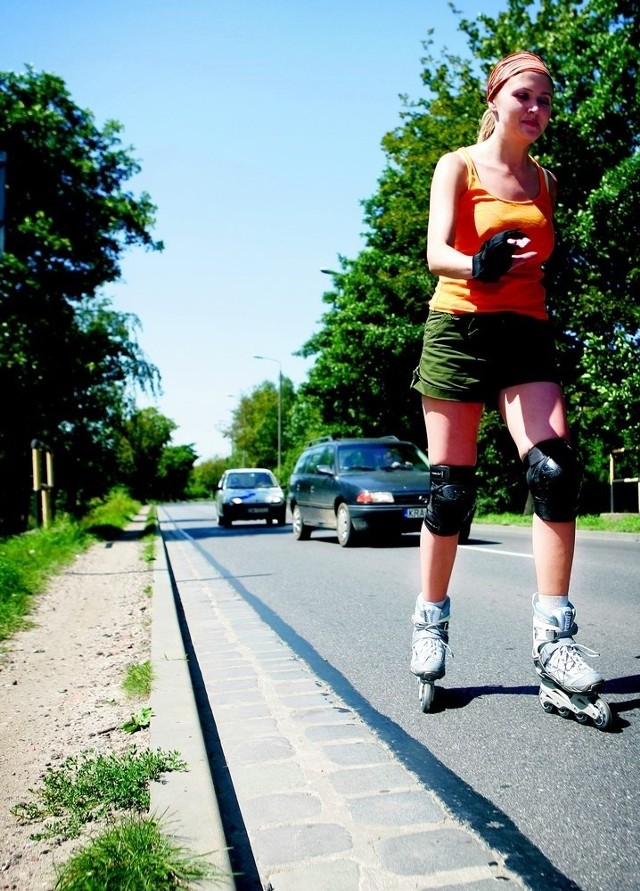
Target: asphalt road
{"points": [[525, 780]]}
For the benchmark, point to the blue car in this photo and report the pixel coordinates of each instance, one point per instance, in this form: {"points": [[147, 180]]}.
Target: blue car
{"points": [[249, 493]]}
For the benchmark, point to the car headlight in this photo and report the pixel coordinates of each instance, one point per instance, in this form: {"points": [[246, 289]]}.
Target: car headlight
{"points": [[275, 499], [375, 498], [236, 500]]}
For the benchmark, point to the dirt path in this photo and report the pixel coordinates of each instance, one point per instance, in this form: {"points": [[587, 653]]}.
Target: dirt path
{"points": [[60, 688]]}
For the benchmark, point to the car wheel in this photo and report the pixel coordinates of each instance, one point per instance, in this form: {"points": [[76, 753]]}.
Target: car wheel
{"points": [[344, 526], [300, 530], [222, 521], [281, 519]]}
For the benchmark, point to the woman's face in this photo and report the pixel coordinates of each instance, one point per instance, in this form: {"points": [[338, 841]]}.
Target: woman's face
{"points": [[523, 105]]}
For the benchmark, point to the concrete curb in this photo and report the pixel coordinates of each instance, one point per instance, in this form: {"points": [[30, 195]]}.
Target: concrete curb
{"points": [[185, 801]]}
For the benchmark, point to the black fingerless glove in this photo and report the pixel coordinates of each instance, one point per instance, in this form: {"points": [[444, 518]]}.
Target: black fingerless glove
{"points": [[495, 256]]}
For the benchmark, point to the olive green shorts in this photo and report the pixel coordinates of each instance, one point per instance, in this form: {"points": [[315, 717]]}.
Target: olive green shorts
{"points": [[473, 356]]}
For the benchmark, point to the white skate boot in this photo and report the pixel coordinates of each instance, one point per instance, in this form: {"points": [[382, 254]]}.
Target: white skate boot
{"points": [[567, 682], [429, 645]]}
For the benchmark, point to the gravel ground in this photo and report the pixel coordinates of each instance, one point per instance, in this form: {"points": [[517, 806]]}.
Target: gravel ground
{"points": [[60, 688]]}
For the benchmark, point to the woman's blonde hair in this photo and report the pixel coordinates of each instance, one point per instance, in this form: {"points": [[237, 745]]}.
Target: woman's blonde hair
{"points": [[513, 64], [487, 125]]}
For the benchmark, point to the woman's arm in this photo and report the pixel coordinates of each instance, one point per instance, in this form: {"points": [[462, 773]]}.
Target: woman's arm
{"points": [[448, 183]]}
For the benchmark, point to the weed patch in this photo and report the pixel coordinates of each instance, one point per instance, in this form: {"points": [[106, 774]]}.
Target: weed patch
{"points": [[138, 721], [137, 681], [91, 787], [134, 854]]}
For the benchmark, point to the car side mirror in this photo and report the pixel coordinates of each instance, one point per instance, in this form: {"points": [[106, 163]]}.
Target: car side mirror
{"points": [[325, 469]]}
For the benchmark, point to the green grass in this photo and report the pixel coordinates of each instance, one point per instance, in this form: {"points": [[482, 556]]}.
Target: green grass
{"points": [[26, 564], [137, 680], [134, 854], [91, 786], [622, 523], [595, 523], [28, 561]]}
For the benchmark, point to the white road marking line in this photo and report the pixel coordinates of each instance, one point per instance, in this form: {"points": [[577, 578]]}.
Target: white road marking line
{"points": [[496, 551]]}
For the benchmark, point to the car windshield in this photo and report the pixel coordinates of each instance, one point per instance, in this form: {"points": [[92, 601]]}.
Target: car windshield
{"points": [[376, 456], [250, 480]]}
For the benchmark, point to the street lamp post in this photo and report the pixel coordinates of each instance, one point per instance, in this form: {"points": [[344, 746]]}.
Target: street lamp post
{"points": [[279, 364]]}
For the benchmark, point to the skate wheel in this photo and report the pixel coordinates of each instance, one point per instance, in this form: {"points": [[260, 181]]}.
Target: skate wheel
{"points": [[581, 718], [564, 712], [604, 715], [546, 704], [426, 691]]}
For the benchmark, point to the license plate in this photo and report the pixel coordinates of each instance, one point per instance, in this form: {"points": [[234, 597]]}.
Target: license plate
{"points": [[258, 510], [414, 513]]}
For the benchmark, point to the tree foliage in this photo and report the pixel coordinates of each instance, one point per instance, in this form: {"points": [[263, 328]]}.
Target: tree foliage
{"points": [[67, 358], [371, 332], [174, 472], [144, 438], [254, 426], [204, 477]]}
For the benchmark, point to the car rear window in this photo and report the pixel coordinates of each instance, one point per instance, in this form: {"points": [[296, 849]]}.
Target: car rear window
{"points": [[376, 456]]}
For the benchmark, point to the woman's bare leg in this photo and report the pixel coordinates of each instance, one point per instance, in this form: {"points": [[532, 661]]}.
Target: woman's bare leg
{"points": [[452, 430], [533, 413]]}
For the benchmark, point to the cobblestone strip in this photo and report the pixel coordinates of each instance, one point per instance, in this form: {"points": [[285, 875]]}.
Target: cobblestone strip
{"points": [[326, 804]]}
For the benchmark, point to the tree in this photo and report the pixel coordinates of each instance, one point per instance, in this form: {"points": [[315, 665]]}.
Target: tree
{"points": [[364, 362], [370, 339], [174, 472], [139, 453], [100, 357], [254, 427], [205, 476], [67, 359]]}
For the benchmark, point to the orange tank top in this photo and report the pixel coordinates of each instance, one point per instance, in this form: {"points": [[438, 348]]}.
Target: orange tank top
{"points": [[481, 215]]}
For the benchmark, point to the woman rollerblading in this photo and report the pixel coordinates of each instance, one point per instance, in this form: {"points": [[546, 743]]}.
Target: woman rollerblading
{"points": [[488, 339]]}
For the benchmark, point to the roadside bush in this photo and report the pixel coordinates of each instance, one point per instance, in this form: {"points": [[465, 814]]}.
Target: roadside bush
{"points": [[107, 517]]}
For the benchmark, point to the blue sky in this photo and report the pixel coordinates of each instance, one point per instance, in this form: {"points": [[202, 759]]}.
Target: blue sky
{"points": [[258, 125]]}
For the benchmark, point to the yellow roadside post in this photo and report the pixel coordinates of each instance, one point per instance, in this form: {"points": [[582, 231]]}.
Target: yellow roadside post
{"points": [[44, 488]]}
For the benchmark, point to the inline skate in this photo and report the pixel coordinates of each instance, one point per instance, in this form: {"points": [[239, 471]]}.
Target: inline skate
{"points": [[567, 683], [429, 645]]}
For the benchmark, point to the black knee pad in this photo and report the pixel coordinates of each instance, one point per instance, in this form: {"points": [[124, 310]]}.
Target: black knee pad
{"points": [[554, 476], [452, 499]]}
